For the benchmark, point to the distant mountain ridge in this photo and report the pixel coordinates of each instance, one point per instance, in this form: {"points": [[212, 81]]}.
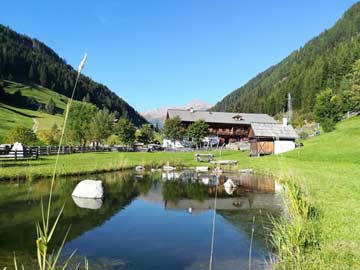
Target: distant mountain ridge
{"points": [[157, 116], [325, 61], [27, 60]]}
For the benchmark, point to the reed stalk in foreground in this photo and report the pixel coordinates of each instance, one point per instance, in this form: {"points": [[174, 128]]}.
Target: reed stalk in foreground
{"points": [[45, 231]]}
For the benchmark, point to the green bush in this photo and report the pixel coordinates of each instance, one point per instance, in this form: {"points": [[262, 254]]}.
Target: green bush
{"points": [[327, 124], [21, 134]]}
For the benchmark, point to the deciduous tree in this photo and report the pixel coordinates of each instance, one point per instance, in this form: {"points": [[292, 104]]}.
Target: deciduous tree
{"points": [[173, 129], [327, 109], [197, 131], [101, 125], [20, 134], [354, 94], [80, 118], [145, 134], [49, 136], [125, 131]]}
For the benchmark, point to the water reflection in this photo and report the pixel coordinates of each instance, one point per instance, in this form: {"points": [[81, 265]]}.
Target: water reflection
{"points": [[144, 223], [88, 203]]}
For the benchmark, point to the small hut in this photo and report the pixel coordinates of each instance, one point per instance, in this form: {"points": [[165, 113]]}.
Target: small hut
{"points": [[268, 138]]}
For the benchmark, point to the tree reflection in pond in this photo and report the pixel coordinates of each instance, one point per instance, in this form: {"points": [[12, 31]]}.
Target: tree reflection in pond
{"points": [[142, 223]]}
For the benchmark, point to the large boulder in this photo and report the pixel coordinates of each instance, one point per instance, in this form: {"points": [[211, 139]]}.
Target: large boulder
{"points": [[92, 189]]}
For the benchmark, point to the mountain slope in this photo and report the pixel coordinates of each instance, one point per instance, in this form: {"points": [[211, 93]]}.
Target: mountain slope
{"points": [[21, 108], [27, 60], [324, 61]]}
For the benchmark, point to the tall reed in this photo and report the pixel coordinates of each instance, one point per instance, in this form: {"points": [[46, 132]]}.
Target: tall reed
{"points": [[45, 230]]}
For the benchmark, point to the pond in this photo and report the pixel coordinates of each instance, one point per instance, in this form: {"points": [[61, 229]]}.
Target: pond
{"points": [[146, 221]]}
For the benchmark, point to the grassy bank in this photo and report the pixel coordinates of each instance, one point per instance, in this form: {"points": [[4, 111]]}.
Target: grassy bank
{"points": [[327, 170], [99, 162]]}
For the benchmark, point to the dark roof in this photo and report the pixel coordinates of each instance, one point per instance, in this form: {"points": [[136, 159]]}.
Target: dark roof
{"points": [[221, 117], [278, 131]]}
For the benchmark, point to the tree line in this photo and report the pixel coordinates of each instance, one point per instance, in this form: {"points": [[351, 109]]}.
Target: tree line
{"points": [[175, 131], [330, 107], [86, 125], [89, 125], [28, 60], [324, 62]]}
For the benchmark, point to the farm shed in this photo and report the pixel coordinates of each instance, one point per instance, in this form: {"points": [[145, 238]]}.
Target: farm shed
{"points": [[268, 138]]}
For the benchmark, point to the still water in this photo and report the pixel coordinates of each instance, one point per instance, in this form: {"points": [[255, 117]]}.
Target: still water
{"points": [[147, 221]]}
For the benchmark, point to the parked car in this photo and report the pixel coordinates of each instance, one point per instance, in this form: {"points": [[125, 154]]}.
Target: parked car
{"points": [[5, 148], [155, 147]]}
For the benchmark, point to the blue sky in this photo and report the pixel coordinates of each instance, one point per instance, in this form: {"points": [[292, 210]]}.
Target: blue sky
{"points": [[156, 53]]}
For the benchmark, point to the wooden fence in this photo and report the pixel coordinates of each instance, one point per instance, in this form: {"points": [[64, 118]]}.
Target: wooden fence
{"points": [[35, 151], [27, 153]]}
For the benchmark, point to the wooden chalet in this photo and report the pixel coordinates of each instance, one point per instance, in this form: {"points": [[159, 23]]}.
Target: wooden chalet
{"points": [[229, 127]]}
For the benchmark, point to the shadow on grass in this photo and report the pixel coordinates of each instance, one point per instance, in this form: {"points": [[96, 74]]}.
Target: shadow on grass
{"points": [[7, 162], [18, 112]]}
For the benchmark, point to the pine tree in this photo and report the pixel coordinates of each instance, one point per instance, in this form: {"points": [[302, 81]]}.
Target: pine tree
{"points": [[50, 107], [43, 75], [2, 91], [31, 75]]}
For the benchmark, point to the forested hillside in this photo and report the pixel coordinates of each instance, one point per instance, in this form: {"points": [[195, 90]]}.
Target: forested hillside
{"points": [[325, 61], [29, 61]]}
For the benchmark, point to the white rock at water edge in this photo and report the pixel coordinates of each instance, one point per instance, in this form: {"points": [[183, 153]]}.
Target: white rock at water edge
{"points": [[89, 189]]}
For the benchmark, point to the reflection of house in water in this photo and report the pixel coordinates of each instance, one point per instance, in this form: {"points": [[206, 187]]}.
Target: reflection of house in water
{"points": [[252, 182], [192, 176], [269, 201], [253, 191]]}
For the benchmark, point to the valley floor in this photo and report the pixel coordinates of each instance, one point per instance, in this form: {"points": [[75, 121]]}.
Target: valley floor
{"points": [[327, 168]]}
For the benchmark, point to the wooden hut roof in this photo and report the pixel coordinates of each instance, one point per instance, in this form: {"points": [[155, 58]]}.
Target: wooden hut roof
{"points": [[279, 131]]}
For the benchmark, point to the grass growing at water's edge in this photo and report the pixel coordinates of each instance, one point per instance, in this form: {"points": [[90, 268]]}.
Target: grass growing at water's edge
{"points": [[294, 235]]}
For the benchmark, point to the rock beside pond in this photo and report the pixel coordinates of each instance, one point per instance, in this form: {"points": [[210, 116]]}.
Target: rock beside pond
{"points": [[92, 189]]}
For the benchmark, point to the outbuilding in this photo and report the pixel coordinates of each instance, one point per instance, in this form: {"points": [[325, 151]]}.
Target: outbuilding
{"points": [[269, 138]]}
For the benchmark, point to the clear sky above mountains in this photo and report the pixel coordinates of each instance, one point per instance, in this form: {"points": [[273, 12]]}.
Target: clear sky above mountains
{"points": [[159, 53]]}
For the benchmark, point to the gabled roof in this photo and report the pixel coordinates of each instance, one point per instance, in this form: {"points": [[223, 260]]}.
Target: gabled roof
{"points": [[220, 117], [273, 131]]}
